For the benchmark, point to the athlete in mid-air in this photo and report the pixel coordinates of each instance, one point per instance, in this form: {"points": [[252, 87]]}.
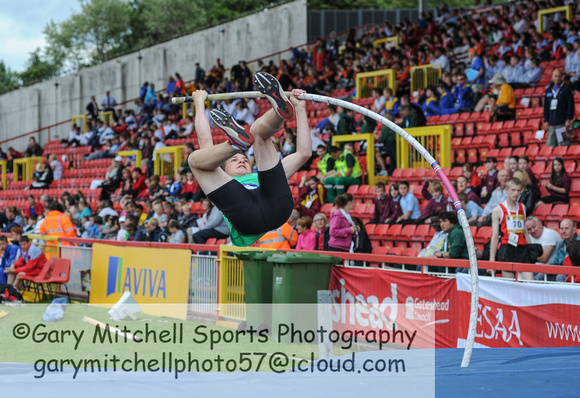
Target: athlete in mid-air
{"points": [[252, 203]]}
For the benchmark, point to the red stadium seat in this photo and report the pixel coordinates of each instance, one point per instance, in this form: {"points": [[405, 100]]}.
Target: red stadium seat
{"points": [[559, 212], [543, 211]]}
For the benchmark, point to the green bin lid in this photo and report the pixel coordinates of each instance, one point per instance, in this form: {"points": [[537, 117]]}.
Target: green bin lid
{"points": [[254, 255], [303, 258]]}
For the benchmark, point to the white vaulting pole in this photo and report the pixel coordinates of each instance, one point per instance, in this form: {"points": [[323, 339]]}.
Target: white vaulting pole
{"points": [[436, 167]]}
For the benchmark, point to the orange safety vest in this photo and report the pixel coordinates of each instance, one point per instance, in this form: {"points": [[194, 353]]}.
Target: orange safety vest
{"points": [[57, 224], [284, 237]]}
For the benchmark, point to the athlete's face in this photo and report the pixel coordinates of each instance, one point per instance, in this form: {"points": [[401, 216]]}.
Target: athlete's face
{"points": [[513, 191], [238, 165]]}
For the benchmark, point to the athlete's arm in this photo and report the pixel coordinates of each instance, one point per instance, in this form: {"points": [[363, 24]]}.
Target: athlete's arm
{"points": [[495, 220], [303, 152], [202, 128]]}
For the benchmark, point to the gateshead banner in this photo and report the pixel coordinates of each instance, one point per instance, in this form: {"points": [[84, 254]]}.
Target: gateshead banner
{"points": [[520, 314], [370, 298]]}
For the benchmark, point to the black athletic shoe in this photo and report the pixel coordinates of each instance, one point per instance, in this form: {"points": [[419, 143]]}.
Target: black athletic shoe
{"points": [[270, 87], [236, 133]]}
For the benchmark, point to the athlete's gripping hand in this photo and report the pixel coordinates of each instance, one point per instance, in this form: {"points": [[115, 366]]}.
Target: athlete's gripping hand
{"points": [[199, 96], [294, 98]]}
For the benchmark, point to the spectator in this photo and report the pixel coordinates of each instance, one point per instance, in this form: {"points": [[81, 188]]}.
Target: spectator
{"points": [[155, 233], [43, 178], [462, 94], [361, 240], [34, 208], [92, 109], [546, 237], [108, 103], [33, 148], [14, 218], [463, 186], [501, 101], [511, 72], [211, 225], [56, 167], [113, 178], [455, 246], [511, 164], [388, 148], [527, 197], [559, 185], [189, 149], [56, 223], [199, 74], [346, 123], [530, 77], [409, 205], [568, 234], [391, 102], [29, 263], [498, 196], [285, 237], [187, 219], [177, 235], [322, 228], [472, 210], [524, 165], [438, 241], [9, 253], [172, 188], [105, 208], [347, 172], [191, 190], [477, 69], [437, 202], [311, 195], [382, 204], [558, 110], [325, 162], [306, 236], [342, 228], [379, 101], [126, 183]]}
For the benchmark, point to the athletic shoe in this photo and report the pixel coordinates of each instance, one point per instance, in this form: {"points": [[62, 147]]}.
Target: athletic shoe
{"points": [[236, 133], [271, 88]]}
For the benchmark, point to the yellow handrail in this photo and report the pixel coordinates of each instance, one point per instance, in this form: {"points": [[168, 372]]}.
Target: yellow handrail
{"points": [[435, 139], [28, 167], [164, 163], [365, 82], [135, 153], [542, 13], [424, 76]]}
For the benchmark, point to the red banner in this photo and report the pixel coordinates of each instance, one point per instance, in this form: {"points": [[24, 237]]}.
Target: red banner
{"points": [[520, 314], [371, 298]]}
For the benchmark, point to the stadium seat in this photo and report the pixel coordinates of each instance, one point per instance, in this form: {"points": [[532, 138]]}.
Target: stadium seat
{"points": [[573, 152], [559, 151], [543, 210], [403, 239], [519, 151], [370, 228], [574, 213], [558, 212], [459, 129], [483, 235], [456, 172], [396, 251], [575, 188], [504, 153], [545, 153], [410, 252], [469, 129], [381, 250], [397, 175], [379, 232]]}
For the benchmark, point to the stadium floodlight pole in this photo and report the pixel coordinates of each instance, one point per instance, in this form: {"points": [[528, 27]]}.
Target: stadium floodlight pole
{"points": [[429, 158]]}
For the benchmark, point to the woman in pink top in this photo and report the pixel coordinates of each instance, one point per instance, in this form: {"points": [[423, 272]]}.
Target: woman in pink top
{"points": [[342, 228], [307, 237]]}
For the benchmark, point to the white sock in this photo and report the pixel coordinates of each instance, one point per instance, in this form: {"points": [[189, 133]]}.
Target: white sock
{"points": [[237, 148]]}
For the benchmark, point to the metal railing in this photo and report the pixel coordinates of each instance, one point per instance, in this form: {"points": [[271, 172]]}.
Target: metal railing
{"points": [[365, 82], [424, 76], [435, 139]]}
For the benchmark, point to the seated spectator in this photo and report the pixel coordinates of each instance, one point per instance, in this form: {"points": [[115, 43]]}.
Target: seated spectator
{"points": [[190, 190], [211, 225], [177, 235], [325, 162], [170, 212], [462, 94], [498, 196], [346, 123], [347, 172], [154, 232], [463, 186], [391, 102], [489, 182], [30, 223], [524, 165], [379, 101], [455, 246], [437, 242], [409, 205], [437, 202], [9, 253], [138, 188], [546, 237], [306, 236], [311, 195], [155, 190], [29, 263], [502, 100], [568, 234], [322, 228], [387, 142], [105, 208], [472, 210], [530, 77], [43, 178], [74, 137], [187, 218], [172, 188], [382, 204], [113, 178], [159, 214], [33, 148], [126, 184], [527, 197], [559, 185], [513, 71], [56, 167], [14, 218]]}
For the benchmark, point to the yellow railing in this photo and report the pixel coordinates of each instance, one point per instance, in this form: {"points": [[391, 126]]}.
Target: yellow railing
{"points": [[365, 82], [424, 75], [391, 42], [3, 165], [543, 13], [135, 153], [370, 139], [83, 118], [107, 117], [435, 139], [231, 282], [28, 167], [168, 160]]}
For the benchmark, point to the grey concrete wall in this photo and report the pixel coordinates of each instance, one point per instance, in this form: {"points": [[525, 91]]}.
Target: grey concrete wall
{"points": [[252, 37]]}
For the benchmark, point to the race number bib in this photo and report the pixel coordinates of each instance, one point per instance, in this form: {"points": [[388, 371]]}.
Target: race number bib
{"points": [[553, 104], [515, 223]]}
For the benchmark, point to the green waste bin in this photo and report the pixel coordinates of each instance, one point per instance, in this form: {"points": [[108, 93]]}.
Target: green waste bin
{"points": [[257, 288], [297, 278]]}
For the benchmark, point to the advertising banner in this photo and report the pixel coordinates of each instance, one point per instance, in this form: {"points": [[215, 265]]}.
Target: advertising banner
{"points": [[520, 314], [372, 298], [153, 276]]}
